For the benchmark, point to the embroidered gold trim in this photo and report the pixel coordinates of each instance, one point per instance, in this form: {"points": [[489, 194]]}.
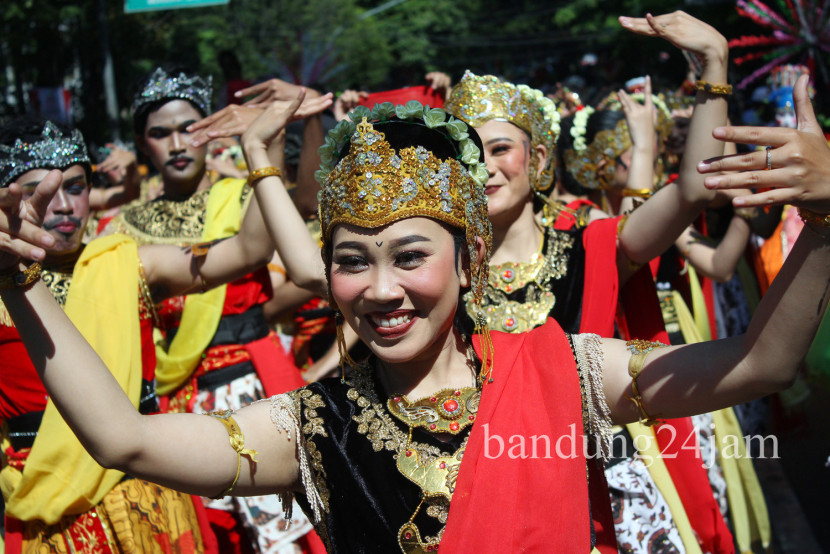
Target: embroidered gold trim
{"points": [[534, 278]]}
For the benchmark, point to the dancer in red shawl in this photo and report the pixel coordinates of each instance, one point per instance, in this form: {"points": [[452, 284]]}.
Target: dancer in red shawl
{"points": [[405, 232]]}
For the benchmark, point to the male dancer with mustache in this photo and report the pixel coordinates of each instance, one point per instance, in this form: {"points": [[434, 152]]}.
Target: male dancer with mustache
{"points": [[217, 351], [57, 498]]}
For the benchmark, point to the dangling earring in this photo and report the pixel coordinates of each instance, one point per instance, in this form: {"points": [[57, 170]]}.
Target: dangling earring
{"points": [[345, 359]]}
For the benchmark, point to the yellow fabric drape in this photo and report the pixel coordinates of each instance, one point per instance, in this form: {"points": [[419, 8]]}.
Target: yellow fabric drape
{"points": [[747, 507], [60, 477], [701, 317], [646, 442], [202, 312]]}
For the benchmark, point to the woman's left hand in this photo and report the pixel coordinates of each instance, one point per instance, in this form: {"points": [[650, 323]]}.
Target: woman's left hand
{"points": [[799, 161]]}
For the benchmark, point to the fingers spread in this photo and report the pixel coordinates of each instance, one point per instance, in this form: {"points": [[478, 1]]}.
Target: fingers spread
{"points": [[759, 136], [10, 196], [44, 192]]}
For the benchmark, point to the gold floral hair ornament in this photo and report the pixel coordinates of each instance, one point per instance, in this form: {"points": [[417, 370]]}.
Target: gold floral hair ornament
{"points": [[367, 182], [608, 144], [478, 99]]}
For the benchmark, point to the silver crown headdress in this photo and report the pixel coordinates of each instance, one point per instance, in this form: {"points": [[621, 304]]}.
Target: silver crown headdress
{"points": [[163, 86], [54, 151]]}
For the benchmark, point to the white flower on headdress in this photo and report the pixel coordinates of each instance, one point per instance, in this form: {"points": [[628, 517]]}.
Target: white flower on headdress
{"points": [[383, 111], [579, 126], [410, 110], [480, 173], [434, 118], [359, 112], [457, 129], [470, 153], [342, 131]]}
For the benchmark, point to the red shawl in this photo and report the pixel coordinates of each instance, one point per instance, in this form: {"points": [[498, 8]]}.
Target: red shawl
{"points": [[532, 504]]}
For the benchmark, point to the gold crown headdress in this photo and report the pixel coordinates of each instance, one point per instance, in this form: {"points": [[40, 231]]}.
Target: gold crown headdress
{"points": [[479, 98], [367, 182], [609, 144]]}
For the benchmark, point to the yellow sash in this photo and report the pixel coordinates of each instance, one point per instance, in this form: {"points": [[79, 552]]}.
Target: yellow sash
{"points": [[646, 442], [747, 507], [202, 312], [60, 477]]}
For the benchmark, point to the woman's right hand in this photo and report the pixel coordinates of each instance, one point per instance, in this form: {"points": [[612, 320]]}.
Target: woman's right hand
{"points": [[21, 235]]}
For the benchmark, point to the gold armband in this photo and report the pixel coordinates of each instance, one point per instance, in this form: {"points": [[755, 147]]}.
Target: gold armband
{"points": [[237, 440], [257, 174], [638, 193], [15, 278], [720, 90], [639, 350]]}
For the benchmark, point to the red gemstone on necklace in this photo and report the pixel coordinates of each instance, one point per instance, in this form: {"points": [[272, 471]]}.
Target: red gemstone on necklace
{"points": [[433, 399], [472, 418], [458, 393], [454, 426], [407, 535], [432, 426], [408, 453], [442, 465], [451, 405], [397, 399]]}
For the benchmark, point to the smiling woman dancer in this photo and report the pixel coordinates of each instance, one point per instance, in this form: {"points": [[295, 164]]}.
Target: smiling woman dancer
{"points": [[405, 232]]}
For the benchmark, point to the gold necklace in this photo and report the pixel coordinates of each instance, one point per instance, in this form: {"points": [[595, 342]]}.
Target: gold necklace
{"points": [[446, 411]]}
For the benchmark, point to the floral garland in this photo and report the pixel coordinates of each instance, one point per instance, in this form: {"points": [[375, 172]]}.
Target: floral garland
{"points": [[579, 127], [413, 110]]}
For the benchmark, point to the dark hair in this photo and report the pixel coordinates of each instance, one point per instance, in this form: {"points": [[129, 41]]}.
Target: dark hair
{"points": [[142, 113]]}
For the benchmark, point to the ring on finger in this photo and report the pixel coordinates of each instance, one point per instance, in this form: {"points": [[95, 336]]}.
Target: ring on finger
{"points": [[769, 157]]}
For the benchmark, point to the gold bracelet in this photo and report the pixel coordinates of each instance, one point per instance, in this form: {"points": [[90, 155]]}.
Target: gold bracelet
{"points": [[639, 350], [721, 90], [20, 279], [237, 440], [809, 216], [258, 174], [638, 193]]}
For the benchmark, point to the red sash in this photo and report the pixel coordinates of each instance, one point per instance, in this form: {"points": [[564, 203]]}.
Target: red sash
{"points": [[542, 503], [638, 315]]}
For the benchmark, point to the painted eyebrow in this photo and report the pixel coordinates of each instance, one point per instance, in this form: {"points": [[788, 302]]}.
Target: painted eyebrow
{"points": [[403, 241], [397, 243], [179, 127], [73, 180], [499, 139]]}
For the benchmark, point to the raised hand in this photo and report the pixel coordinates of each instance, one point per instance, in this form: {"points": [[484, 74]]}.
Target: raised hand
{"points": [[346, 102], [230, 121], [20, 233], [234, 120], [640, 117], [273, 120], [799, 159], [270, 91], [683, 31]]}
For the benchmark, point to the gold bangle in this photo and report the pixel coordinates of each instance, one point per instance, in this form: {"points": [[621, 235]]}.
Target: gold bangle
{"points": [[20, 279], [809, 216], [721, 90], [638, 193], [237, 440], [258, 174], [639, 350]]}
